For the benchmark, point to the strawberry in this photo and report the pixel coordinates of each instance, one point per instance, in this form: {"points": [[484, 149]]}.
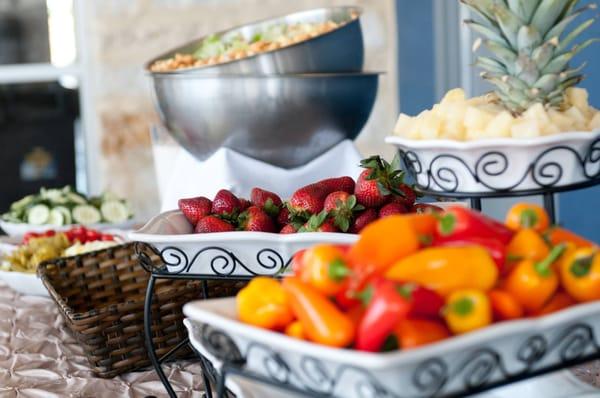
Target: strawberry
{"points": [[244, 204], [268, 201], [283, 217], [195, 208], [310, 199], [362, 220], [256, 219], [408, 196], [288, 229], [341, 207], [378, 181], [319, 223], [391, 209], [226, 204], [211, 224]]}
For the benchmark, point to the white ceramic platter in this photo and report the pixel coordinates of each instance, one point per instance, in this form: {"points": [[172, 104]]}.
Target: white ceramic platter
{"points": [[501, 165], [21, 282], [228, 253], [15, 229], [452, 366]]}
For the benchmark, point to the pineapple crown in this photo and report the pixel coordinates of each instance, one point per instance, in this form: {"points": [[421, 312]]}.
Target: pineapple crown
{"points": [[531, 48]]}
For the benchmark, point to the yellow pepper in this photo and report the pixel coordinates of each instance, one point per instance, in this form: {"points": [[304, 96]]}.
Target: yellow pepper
{"points": [[467, 310], [295, 330], [446, 269], [580, 274], [264, 303]]}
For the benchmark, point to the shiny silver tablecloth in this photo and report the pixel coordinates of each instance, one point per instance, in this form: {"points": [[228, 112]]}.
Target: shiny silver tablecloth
{"points": [[40, 359]]}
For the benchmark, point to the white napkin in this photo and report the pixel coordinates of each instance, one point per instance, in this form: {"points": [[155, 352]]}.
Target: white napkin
{"points": [[180, 175]]}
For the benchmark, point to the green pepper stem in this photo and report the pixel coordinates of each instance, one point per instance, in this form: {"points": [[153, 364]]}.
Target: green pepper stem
{"points": [[543, 267], [338, 270]]}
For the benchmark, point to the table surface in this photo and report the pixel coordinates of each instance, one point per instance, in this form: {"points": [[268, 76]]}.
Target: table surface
{"points": [[40, 359]]}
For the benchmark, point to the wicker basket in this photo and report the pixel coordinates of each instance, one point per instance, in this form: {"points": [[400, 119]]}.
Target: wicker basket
{"points": [[101, 296]]}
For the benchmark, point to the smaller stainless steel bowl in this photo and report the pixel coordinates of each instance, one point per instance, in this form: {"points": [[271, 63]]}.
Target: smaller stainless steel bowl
{"points": [[338, 51], [284, 120]]}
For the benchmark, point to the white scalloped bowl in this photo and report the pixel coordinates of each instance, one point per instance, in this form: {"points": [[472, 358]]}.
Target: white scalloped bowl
{"points": [[20, 229], [497, 166], [452, 366], [236, 253]]}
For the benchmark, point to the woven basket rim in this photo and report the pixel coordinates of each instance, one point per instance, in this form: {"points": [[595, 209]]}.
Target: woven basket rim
{"points": [[107, 309]]}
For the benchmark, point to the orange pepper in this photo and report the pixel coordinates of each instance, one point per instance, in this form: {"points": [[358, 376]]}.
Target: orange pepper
{"points": [[580, 274], [423, 223], [527, 244], [558, 235], [295, 330], [321, 321], [467, 310], [527, 215], [324, 268], [533, 283], [264, 303], [560, 301], [446, 269], [384, 242], [504, 306], [412, 333]]}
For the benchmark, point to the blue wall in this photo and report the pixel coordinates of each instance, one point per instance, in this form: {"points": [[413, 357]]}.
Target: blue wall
{"points": [[578, 210]]}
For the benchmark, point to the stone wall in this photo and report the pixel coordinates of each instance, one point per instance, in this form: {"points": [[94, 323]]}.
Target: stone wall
{"points": [[122, 35]]}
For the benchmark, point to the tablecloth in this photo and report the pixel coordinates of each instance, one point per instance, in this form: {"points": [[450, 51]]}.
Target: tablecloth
{"points": [[40, 359]]}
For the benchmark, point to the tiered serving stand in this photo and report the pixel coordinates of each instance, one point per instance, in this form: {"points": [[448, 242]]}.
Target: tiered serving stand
{"points": [[574, 345]]}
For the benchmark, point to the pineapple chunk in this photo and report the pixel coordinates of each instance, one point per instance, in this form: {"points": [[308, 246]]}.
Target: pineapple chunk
{"points": [[454, 95], [500, 126], [537, 112], [477, 119], [403, 125], [595, 122], [526, 128], [560, 119], [430, 126], [550, 129], [579, 98], [578, 119], [453, 130]]}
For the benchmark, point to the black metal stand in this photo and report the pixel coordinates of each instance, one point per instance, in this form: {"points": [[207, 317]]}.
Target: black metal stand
{"points": [[213, 378]]}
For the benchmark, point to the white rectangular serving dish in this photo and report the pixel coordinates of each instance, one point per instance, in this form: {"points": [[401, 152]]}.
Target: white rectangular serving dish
{"points": [[236, 253], [453, 366]]}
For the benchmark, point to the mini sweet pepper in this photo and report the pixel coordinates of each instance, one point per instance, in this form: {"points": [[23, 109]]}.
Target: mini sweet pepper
{"points": [[467, 310], [496, 248], [446, 269], [323, 267], [264, 303], [459, 222], [580, 274], [527, 215], [528, 244]]}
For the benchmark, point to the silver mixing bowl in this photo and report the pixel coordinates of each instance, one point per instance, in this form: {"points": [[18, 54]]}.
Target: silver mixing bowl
{"points": [[284, 120], [340, 50]]}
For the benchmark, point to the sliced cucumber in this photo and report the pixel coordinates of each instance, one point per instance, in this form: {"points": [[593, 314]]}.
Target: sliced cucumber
{"points": [[66, 214], [38, 215], [114, 211], [23, 203], [75, 198], [56, 218], [53, 195], [85, 214], [109, 196]]}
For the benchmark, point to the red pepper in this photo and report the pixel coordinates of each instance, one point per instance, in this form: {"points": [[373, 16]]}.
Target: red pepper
{"points": [[458, 222], [386, 307], [424, 302], [496, 248]]}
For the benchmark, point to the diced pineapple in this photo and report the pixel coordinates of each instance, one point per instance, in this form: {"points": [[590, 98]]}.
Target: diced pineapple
{"points": [[560, 119], [403, 125], [578, 119], [455, 111], [453, 130], [526, 128], [595, 122], [550, 129], [457, 94], [477, 119], [430, 126], [537, 112], [579, 98], [500, 126]]}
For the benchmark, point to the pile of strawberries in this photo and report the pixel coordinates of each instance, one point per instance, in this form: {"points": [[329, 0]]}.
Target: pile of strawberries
{"points": [[331, 205]]}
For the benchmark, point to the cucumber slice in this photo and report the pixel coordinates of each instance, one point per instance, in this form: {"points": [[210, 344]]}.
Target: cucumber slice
{"points": [[38, 215], [53, 195], [109, 196], [66, 213], [56, 218], [114, 211], [23, 203], [85, 214], [75, 198]]}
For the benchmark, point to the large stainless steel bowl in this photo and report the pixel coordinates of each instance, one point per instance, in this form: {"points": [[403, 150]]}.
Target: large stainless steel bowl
{"points": [[284, 120], [340, 50]]}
